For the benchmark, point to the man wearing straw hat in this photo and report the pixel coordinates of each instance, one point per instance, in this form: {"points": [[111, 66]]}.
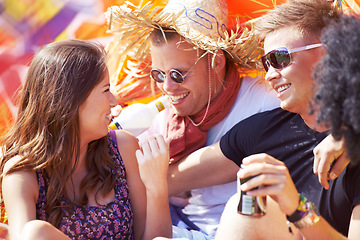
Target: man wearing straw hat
{"points": [[202, 68], [274, 148]]}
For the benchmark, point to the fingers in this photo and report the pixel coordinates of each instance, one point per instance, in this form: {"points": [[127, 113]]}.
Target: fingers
{"points": [[325, 154], [255, 186], [261, 158], [321, 168], [255, 169], [264, 170], [152, 147], [179, 201], [269, 177], [153, 159], [339, 166], [153, 154]]}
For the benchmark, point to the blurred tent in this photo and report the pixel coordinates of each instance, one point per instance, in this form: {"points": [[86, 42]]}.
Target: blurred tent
{"points": [[26, 25]]}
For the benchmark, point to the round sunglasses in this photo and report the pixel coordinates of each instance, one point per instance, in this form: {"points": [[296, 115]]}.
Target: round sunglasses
{"points": [[280, 58], [175, 75]]}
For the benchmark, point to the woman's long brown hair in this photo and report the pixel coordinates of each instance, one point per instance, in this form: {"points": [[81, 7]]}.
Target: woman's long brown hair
{"points": [[46, 134]]}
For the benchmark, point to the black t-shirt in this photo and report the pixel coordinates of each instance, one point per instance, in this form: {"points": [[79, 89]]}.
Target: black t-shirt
{"points": [[286, 137]]}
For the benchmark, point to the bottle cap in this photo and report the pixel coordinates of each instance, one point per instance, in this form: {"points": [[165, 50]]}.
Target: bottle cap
{"points": [[162, 102]]}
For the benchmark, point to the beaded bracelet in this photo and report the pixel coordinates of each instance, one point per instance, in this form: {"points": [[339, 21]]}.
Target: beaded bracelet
{"points": [[300, 212], [305, 214]]}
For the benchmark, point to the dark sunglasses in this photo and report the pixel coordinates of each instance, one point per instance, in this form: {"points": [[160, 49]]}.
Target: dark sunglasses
{"points": [[280, 58], [175, 75]]}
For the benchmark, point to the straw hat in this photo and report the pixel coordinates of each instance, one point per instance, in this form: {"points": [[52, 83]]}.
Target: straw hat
{"points": [[202, 23]]}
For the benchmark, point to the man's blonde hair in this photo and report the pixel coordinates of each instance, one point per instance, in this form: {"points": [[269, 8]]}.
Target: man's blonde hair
{"points": [[309, 17]]}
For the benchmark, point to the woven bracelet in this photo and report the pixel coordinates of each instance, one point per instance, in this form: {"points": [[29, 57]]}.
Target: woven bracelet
{"points": [[301, 211]]}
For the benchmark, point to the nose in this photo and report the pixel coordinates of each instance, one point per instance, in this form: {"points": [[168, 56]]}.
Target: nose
{"points": [[168, 85], [113, 101], [272, 74]]}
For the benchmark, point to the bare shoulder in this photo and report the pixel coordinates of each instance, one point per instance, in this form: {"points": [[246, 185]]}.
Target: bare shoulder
{"points": [[11, 162], [28, 176], [127, 145], [126, 141], [19, 181]]}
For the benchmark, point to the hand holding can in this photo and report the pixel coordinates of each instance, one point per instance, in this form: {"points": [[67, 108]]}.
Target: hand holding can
{"points": [[248, 205]]}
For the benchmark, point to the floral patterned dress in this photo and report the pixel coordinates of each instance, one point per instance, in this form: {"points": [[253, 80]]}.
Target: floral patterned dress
{"points": [[111, 221]]}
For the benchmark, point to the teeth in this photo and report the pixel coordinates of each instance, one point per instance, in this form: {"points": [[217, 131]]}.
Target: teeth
{"points": [[283, 88], [178, 97]]}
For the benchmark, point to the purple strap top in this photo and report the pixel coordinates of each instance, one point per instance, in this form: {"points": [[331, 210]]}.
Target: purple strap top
{"points": [[111, 221]]}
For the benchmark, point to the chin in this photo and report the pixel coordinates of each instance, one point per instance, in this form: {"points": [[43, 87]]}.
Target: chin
{"points": [[178, 112], [285, 106], [290, 108], [103, 133]]}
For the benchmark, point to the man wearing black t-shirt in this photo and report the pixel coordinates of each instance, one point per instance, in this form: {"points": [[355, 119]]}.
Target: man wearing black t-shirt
{"points": [[277, 145], [283, 141]]}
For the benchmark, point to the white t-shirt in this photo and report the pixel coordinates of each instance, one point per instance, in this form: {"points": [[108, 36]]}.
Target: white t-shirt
{"points": [[207, 204]]}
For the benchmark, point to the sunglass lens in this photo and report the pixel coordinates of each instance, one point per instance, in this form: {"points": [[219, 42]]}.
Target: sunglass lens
{"points": [[157, 76], [265, 63], [279, 59], [176, 76]]}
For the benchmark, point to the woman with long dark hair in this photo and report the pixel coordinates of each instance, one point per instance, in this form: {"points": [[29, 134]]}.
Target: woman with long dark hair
{"points": [[63, 175]]}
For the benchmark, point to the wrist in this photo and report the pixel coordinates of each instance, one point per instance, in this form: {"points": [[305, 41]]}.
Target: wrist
{"points": [[157, 190], [305, 214], [300, 211]]}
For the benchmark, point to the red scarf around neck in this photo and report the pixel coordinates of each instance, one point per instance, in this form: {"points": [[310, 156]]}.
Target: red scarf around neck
{"points": [[185, 137]]}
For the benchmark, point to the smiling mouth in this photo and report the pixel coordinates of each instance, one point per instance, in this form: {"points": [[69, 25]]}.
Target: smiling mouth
{"points": [[283, 88], [178, 97]]}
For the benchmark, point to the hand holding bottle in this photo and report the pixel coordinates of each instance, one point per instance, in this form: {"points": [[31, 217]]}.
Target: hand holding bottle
{"points": [[275, 179]]}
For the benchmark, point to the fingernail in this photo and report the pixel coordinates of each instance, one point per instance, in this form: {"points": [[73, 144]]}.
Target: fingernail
{"points": [[332, 176], [243, 187]]}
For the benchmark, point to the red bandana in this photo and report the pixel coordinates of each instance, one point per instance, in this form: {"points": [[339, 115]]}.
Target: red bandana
{"points": [[185, 137]]}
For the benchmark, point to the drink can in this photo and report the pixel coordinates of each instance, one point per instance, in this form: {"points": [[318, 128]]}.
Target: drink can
{"points": [[248, 205]]}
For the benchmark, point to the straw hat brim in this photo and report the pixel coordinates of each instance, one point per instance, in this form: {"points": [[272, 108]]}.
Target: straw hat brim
{"points": [[131, 26]]}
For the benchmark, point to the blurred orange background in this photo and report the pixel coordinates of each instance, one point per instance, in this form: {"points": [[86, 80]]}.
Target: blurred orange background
{"points": [[26, 25]]}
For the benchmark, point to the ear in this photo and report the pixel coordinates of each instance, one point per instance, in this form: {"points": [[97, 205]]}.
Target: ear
{"points": [[220, 60]]}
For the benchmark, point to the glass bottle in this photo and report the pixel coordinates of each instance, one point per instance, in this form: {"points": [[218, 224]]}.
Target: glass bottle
{"points": [[137, 117]]}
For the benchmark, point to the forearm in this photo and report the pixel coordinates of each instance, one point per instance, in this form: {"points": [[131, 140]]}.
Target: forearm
{"points": [[41, 230], [204, 167], [321, 230], [158, 220], [310, 224]]}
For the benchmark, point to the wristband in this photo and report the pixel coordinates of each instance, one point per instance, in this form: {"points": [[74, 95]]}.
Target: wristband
{"points": [[305, 214], [300, 212], [310, 219]]}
